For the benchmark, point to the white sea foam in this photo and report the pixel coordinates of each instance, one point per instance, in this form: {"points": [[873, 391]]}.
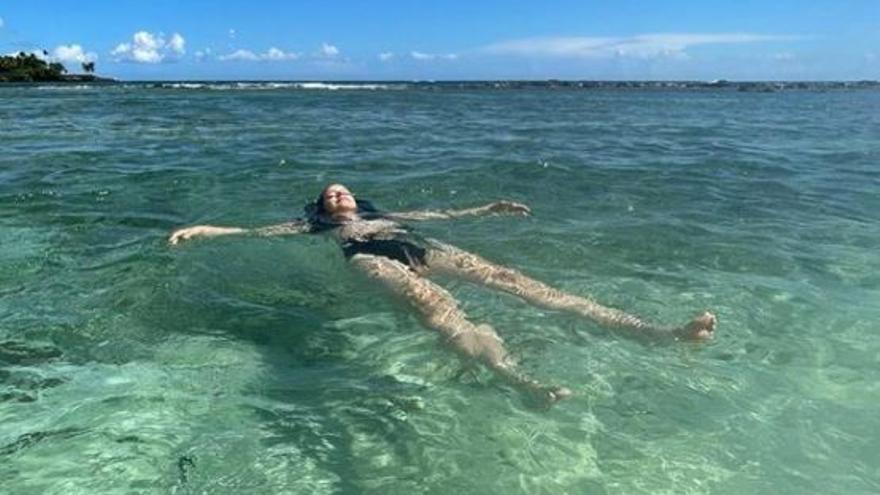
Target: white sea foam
{"points": [[337, 86], [64, 87], [226, 86], [185, 85]]}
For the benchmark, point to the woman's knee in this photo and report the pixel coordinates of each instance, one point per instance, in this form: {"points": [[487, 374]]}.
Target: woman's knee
{"points": [[503, 276], [368, 263], [443, 315]]}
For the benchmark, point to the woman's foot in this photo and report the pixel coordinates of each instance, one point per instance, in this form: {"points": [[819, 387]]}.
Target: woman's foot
{"points": [[700, 328], [551, 394], [557, 394]]}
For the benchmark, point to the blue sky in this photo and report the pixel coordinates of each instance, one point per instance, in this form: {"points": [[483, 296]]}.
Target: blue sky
{"points": [[370, 40]]}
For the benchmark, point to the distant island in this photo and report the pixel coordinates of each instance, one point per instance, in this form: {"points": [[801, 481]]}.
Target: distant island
{"points": [[27, 67]]}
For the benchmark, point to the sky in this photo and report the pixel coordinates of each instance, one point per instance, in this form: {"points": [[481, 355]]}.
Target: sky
{"points": [[452, 40]]}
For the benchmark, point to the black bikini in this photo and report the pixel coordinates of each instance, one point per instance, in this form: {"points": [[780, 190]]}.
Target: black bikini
{"points": [[391, 247], [403, 251]]}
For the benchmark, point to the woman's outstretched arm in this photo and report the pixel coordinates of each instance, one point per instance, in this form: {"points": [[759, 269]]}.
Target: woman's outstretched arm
{"points": [[287, 228], [497, 208]]}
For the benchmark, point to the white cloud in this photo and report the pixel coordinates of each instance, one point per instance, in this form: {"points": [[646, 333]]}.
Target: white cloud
{"points": [[272, 54], [386, 56], [432, 56], [276, 54], [149, 48], [72, 53], [240, 55], [328, 50], [1, 22], [232, 33], [177, 44], [202, 54], [641, 46], [783, 56]]}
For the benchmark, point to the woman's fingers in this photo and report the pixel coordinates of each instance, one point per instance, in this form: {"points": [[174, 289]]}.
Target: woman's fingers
{"points": [[521, 208], [177, 236], [184, 234], [510, 207]]}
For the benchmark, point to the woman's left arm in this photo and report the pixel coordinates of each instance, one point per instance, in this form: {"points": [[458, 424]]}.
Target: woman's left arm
{"points": [[497, 208], [287, 228]]}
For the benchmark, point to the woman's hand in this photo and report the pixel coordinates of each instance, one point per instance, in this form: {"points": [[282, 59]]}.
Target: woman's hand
{"points": [[201, 231], [507, 208]]}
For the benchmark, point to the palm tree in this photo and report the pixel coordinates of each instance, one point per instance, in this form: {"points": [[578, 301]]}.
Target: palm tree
{"points": [[29, 67], [57, 68]]}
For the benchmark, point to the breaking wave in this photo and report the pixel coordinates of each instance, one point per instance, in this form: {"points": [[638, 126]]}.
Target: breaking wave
{"points": [[227, 86]]}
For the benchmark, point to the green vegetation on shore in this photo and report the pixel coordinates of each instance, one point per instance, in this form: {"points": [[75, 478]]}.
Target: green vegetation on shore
{"points": [[27, 67]]}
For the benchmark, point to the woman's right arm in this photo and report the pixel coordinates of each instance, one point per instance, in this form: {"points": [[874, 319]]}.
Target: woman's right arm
{"points": [[188, 233], [497, 208]]}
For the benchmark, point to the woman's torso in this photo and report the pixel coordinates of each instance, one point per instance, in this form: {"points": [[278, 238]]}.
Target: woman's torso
{"points": [[380, 237]]}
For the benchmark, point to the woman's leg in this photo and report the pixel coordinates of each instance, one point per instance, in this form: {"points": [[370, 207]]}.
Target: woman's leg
{"points": [[453, 261], [439, 311]]}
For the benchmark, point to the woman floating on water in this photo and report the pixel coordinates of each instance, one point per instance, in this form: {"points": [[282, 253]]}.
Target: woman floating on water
{"points": [[381, 247]]}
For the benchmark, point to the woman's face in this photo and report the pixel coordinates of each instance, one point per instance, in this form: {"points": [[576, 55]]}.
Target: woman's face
{"points": [[338, 199]]}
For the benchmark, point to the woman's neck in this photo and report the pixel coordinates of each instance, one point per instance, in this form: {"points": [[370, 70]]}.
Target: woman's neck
{"points": [[343, 217]]}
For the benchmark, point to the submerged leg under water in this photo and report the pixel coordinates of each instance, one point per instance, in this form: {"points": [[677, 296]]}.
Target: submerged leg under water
{"points": [[456, 262], [439, 311]]}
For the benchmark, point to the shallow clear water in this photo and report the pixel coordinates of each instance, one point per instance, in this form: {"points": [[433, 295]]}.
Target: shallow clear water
{"points": [[246, 365]]}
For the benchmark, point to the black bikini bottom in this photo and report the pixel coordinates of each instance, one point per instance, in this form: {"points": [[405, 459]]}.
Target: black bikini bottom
{"points": [[405, 252]]}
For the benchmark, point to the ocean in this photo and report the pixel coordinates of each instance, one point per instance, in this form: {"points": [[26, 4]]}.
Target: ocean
{"points": [[267, 365]]}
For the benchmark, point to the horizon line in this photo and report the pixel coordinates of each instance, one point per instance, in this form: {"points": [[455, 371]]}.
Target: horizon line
{"points": [[111, 79]]}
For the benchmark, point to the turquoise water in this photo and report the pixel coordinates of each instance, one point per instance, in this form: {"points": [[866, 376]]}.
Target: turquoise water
{"points": [[248, 365]]}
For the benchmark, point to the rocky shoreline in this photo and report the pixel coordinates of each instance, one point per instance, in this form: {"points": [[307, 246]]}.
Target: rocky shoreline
{"points": [[67, 78]]}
